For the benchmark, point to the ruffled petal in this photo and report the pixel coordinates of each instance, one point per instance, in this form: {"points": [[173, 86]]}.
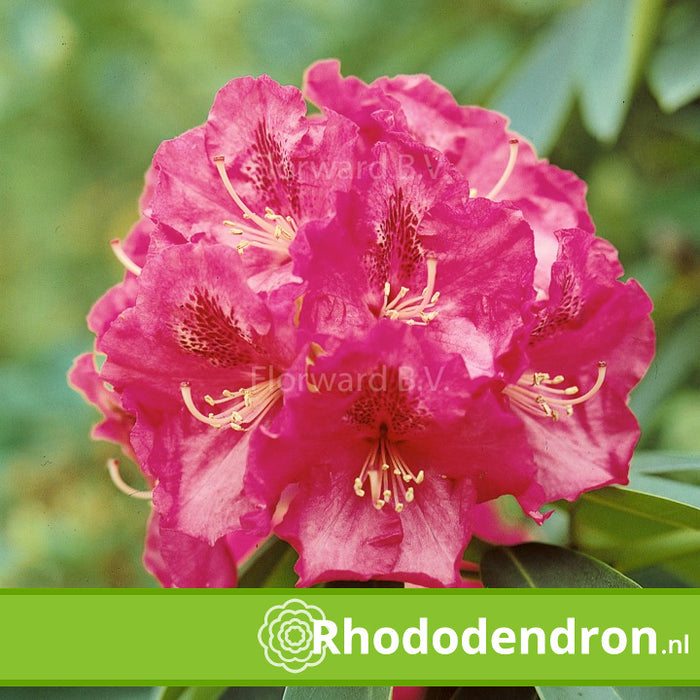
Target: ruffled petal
{"points": [[189, 196], [358, 542], [256, 124], [362, 104], [591, 317], [485, 263], [195, 320], [355, 541], [590, 449], [180, 561], [123, 295], [117, 424], [436, 529], [200, 476]]}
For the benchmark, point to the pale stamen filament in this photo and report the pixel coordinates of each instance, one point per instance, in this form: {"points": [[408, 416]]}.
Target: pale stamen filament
{"points": [[246, 407], [536, 393], [512, 157], [412, 311], [388, 476], [123, 258], [402, 469], [360, 480], [113, 468], [271, 231]]}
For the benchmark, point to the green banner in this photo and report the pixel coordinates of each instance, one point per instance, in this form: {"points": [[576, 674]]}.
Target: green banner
{"points": [[349, 637]]}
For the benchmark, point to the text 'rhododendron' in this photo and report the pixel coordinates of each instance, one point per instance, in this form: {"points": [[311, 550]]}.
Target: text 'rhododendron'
{"points": [[356, 328]]}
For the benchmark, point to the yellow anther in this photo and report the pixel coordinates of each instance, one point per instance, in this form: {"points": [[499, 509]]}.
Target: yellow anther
{"points": [[537, 393], [387, 472]]}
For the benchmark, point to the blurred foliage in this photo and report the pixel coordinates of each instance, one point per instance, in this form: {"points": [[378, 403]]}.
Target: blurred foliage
{"points": [[89, 89]]}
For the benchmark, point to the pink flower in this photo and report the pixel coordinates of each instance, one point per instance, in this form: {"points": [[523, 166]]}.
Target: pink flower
{"points": [[180, 561], [591, 341], [390, 449], [409, 245], [117, 424], [499, 165], [132, 254], [253, 175], [197, 360], [358, 329]]}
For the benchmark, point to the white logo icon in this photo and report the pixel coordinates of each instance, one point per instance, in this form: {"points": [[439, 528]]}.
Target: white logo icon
{"points": [[287, 635]]}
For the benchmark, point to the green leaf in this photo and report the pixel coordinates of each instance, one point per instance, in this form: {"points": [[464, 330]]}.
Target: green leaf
{"points": [[475, 550], [667, 474], [594, 50], [613, 42], [255, 693], [665, 464], [619, 693], [339, 693], [271, 566], [536, 565], [171, 693], [191, 693], [685, 569], [674, 71], [539, 93], [675, 360], [577, 693], [673, 489], [632, 529]]}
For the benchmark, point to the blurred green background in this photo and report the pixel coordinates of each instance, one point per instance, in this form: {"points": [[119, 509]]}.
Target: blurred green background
{"points": [[89, 89]]}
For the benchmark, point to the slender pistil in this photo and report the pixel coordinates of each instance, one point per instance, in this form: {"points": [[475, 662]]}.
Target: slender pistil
{"points": [[507, 172], [123, 258], [115, 474]]}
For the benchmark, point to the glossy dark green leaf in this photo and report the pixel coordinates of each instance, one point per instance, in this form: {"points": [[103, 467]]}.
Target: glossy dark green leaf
{"points": [[339, 693], [271, 566], [536, 565]]}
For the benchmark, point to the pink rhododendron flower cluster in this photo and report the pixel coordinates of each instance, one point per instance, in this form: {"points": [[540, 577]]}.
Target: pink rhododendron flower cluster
{"points": [[356, 328]]}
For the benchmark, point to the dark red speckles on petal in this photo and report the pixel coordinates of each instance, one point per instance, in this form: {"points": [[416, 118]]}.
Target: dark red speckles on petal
{"points": [[398, 251], [567, 311], [205, 329], [272, 173], [385, 404]]}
